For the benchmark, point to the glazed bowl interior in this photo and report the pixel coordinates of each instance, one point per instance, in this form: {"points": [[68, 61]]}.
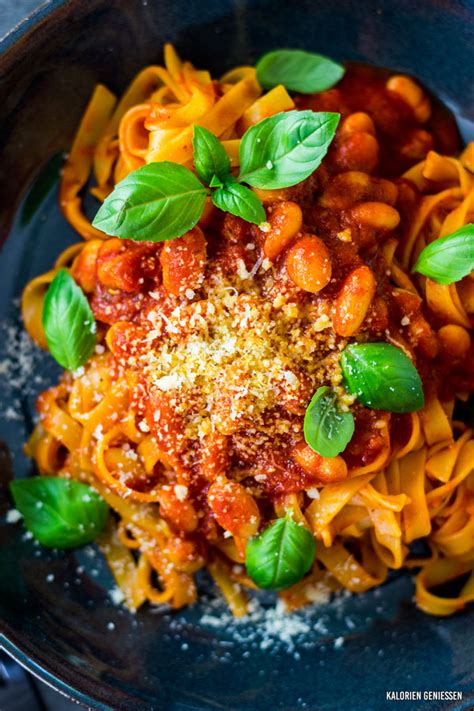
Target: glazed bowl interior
{"points": [[57, 616]]}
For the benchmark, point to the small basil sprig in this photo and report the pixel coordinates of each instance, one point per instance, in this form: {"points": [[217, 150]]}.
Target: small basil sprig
{"points": [[240, 201], [213, 166], [161, 201], [58, 512], [298, 70], [286, 148], [210, 159], [382, 377], [327, 429], [68, 322], [281, 555], [156, 202], [449, 258]]}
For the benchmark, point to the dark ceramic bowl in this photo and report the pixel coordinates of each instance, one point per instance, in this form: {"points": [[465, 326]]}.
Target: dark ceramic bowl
{"points": [[57, 617]]}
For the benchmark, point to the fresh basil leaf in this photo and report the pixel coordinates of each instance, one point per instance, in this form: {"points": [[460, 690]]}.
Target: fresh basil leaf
{"points": [[210, 158], [156, 202], [281, 555], [284, 149], [68, 322], [298, 70], [449, 258], [382, 377], [239, 201], [216, 182], [327, 429], [58, 512]]}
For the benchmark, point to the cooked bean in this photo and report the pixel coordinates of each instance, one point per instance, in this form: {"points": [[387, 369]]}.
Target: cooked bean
{"points": [[324, 469], [412, 94], [358, 122], [375, 214], [332, 470], [234, 508], [306, 458], [359, 151], [286, 220], [309, 264], [353, 301]]}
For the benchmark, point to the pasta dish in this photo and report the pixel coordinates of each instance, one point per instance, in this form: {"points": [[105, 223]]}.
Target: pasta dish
{"points": [[266, 335]]}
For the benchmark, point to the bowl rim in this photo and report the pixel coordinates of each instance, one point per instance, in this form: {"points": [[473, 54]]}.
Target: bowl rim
{"points": [[10, 642], [17, 651], [30, 22]]}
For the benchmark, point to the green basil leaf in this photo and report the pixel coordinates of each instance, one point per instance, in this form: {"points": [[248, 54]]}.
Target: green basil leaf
{"points": [[239, 201], [281, 555], [297, 70], [449, 258], [382, 377], [58, 512], [216, 182], [210, 158], [327, 429], [68, 322], [286, 148], [156, 202]]}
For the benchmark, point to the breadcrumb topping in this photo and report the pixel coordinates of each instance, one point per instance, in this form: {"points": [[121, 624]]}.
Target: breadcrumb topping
{"points": [[234, 355]]}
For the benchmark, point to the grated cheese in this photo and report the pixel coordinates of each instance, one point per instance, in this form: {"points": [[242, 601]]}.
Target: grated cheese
{"points": [[181, 491], [116, 595], [13, 516], [20, 367], [232, 356]]}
